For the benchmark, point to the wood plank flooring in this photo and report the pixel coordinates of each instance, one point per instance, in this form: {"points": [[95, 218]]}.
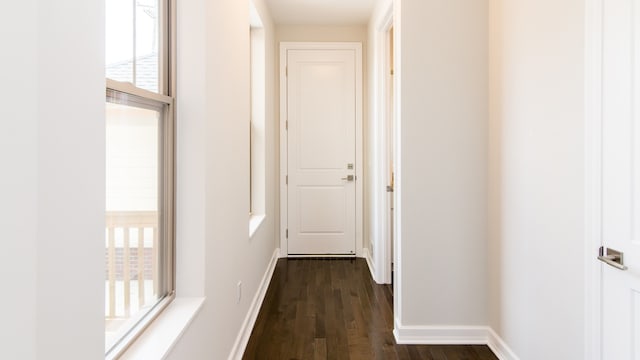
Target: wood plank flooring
{"points": [[332, 309]]}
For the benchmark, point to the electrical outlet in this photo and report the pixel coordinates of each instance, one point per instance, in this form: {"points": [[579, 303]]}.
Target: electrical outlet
{"points": [[239, 291]]}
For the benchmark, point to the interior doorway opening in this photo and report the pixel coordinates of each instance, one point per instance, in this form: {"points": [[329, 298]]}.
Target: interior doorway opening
{"points": [[390, 147], [383, 149]]}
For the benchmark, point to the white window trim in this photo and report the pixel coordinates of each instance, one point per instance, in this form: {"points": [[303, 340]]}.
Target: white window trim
{"points": [[254, 223], [257, 126], [129, 88], [160, 337]]}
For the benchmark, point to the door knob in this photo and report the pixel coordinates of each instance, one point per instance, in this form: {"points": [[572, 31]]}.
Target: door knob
{"points": [[348, 178]]}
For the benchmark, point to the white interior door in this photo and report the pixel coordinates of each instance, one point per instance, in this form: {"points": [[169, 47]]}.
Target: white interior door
{"points": [[321, 137], [621, 178]]}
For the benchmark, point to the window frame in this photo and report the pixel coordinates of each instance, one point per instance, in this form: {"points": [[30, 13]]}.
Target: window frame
{"points": [[257, 119], [165, 97]]}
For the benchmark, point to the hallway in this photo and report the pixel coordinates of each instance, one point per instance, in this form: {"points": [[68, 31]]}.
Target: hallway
{"points": [[332, 309], [498, 175]]}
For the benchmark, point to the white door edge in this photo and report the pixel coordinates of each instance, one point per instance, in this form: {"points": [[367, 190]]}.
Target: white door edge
{"points": [[284, 47], [593, 182]]}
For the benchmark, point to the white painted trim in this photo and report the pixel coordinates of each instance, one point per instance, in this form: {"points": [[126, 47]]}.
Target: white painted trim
{"points": [[370, 263], [380, 202], [327, 256], [500, 347], [237, 351], [593, 179], [441, 335], [284, 163], [357, 47], [157, 341], [454, 335], [359, 149], [254, 223], [129, 88], [385, 257], [397, 213]]}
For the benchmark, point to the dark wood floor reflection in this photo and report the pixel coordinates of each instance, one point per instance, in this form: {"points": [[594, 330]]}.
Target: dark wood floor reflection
{"points": [[332, 309]]}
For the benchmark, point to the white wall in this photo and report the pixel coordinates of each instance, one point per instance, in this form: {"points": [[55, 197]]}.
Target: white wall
{"points": [[191, 137], [215, 251], [442, 169], [321, 33], [536, 177], [71, 179], [18, 183], [52, 184]]}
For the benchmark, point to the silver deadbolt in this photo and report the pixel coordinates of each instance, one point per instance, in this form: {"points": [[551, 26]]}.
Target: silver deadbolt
{"points": [[348, 178], [612, 257], [350, 166]]}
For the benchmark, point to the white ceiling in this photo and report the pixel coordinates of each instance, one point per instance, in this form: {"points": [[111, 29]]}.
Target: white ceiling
{"points": [[321, 12]]}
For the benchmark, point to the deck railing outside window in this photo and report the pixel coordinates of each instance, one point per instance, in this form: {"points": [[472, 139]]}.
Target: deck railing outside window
{"points": [[131, 256]]}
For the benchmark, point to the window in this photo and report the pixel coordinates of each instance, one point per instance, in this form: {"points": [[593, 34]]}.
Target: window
{"points": [[139, 214], [257, 120]]}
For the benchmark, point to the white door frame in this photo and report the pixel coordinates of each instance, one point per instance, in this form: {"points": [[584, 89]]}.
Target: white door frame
{"points": [[593, 181], [284, 47], [381, 260]]}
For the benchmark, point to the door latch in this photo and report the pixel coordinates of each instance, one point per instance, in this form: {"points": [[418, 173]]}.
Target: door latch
{"points": [[612, 257]]}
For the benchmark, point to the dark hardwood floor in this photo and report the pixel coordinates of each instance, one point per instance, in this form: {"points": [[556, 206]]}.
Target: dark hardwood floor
{"points": [[332, 309]]}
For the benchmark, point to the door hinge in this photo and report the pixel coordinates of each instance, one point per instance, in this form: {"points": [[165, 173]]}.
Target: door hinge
{"points": [[286, 71], [286, 179], [286, 125], [286, 233]]}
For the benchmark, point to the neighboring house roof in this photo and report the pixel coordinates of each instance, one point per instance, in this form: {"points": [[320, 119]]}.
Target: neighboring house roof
{"points": [[146, 72]]}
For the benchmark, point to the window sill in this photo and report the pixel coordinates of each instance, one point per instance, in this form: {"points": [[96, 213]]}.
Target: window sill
{"points": [[254, 223], [159, 338]]}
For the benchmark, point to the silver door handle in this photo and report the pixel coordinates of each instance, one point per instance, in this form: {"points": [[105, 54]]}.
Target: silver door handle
{"points": [[348, 178], [612, 258]]}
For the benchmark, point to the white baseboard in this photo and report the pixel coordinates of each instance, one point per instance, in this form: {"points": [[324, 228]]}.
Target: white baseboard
{"points": [[247, 326], [367, 256], [440, 335], [453, 335], [499, 347]]}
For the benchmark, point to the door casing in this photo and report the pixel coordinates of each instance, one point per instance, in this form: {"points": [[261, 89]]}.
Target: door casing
{"points": [[284, 48], [593, 77]]}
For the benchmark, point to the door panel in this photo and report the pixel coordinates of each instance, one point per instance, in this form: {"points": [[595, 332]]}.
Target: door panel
{"points": [[621, 178], [322, 209], [321, 109], [322, 112]]}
